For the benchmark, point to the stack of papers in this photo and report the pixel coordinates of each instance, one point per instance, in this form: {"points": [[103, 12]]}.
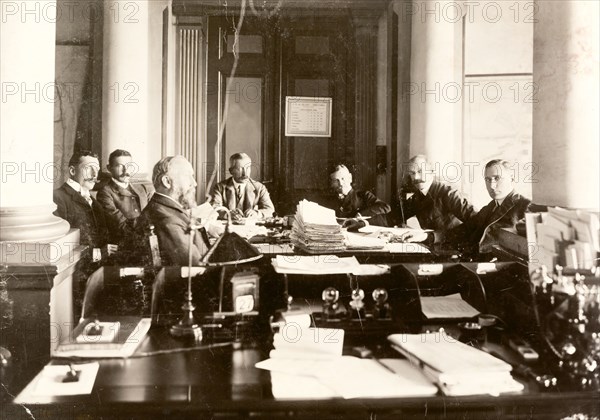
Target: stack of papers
{"points": [[307, 363], [451, 306], [345, 377], [323, 264], [359, 242], [567, 237], [316, 230], [463, 370]]}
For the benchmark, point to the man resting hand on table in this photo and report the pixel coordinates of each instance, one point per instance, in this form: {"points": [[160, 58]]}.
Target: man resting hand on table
{"points": [[359, 207], [243, 196]]}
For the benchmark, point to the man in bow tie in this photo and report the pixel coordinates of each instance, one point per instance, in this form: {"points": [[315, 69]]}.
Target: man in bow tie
{"points": [[243, 196], [354, 204], [75, 204], [121, 200]]}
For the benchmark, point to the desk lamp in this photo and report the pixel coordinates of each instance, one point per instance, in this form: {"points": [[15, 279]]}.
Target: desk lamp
{"points": [[228, 249]]}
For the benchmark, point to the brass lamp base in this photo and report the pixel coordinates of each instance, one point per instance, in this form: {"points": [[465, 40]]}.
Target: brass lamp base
{"points": [[180, 330], [187, 326]]}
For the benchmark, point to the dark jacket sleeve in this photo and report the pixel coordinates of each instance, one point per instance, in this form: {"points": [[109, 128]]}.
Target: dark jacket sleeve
{"points": [[375, 208], [459, 206], [175, 243], [61, 205]]}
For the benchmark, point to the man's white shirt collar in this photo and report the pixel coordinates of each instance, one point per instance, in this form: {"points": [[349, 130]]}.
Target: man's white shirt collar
{"points": [[84, 192], [123, 185], [74, 184], [426, 189]]}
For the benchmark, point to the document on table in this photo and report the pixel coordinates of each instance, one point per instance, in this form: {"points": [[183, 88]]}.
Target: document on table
{"points": [[451, 306], [406, 248], [49, 381], [321, 264], [463, 370], [346, 377]]}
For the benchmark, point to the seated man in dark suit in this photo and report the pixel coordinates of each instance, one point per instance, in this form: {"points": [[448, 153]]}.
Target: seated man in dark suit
{"points": [[354, 204], [121, 200], [242, 195], [436, 206], [478, 234], [504, 211], [75, 204], [169, 211]]}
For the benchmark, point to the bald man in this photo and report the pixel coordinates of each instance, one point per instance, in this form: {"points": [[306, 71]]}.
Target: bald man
{"points": [[169, 211], [437, 206]]}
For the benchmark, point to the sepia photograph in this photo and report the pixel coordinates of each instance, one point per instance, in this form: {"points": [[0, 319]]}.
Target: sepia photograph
{"points": [[304, 209]]}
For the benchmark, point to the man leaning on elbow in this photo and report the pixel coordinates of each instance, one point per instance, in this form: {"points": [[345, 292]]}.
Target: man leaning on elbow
{"points": [[358, 207]]}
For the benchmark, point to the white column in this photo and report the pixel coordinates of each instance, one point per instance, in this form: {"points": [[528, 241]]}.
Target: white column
{"points": [[27, 44], [436, 80], [565, 111], [126, 85]]}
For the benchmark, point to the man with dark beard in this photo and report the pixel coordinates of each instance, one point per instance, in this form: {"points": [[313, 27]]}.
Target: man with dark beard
{"points": [[169, 211]]}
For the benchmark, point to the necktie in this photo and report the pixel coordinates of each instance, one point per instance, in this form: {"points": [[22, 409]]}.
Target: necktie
{"points": [[86, 195], [239, 195]]}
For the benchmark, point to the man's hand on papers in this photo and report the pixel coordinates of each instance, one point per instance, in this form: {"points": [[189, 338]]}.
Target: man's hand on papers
{"points": [[237, 215], [414, 236], [353, 224], [252, 214]]}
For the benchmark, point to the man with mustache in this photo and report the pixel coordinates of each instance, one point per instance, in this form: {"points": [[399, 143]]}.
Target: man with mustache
{"points": [[437, 206], [353, 204], [243, 196], [121, 200], [169, 211], [75, 204]]}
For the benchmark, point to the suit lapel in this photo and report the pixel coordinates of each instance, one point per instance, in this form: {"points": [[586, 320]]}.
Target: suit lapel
{"points": [[250, 195], [141, 194], [76, 197], [119, 190], [231, 198]]}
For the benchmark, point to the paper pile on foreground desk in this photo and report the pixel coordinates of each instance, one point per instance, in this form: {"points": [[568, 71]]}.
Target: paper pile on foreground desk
{"points": [[458, 369], [316, 230], [451, 306], [307, 363], [325, 264], [50, 381]]}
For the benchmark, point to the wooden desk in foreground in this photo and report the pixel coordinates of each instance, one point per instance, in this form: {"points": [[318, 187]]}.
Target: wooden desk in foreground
{"points": [[222, 382]]}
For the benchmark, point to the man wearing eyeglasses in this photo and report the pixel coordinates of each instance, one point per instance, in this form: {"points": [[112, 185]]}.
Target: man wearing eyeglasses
{"points": [[504, 211], [121, 200]]}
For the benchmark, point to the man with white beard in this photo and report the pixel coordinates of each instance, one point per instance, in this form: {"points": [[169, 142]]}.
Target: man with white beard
{"points": [[169, 211]]}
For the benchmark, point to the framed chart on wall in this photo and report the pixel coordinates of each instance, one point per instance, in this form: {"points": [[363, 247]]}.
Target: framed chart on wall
{"points": [[307, 116]]}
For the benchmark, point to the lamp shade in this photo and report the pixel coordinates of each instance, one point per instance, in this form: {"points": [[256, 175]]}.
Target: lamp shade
{"points": [[230, 249]]}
